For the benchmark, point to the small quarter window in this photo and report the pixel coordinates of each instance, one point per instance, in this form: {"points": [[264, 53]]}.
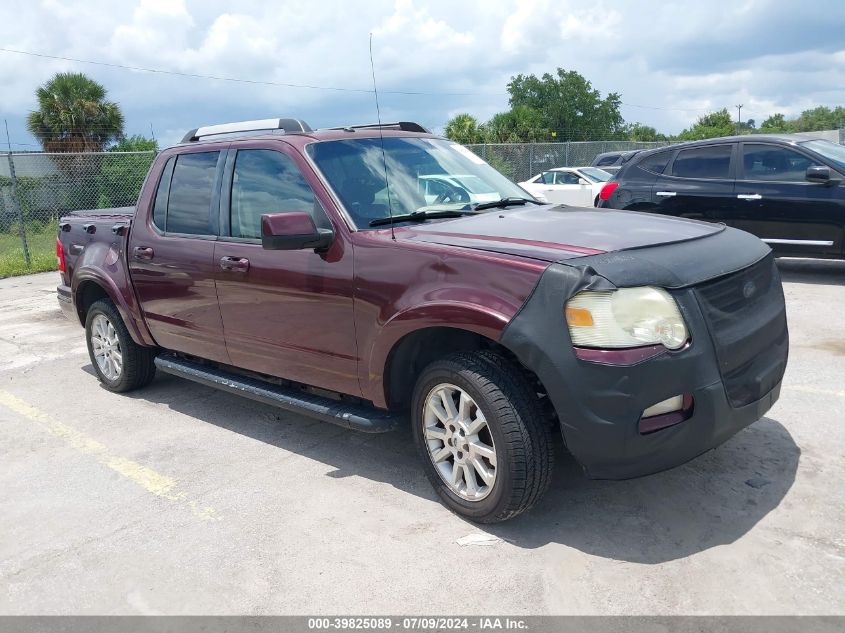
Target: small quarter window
{"points": [[160, 203], [656, 163]]}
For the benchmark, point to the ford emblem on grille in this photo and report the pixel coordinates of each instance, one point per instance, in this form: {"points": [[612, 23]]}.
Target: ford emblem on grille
{"points": [[748, 289]]}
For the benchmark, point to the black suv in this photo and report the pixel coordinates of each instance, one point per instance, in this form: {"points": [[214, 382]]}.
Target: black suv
{"points": [[611, 162], [787, 191]]}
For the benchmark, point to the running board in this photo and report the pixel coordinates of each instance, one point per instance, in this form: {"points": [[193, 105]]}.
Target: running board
{"points": [[348, 415]]}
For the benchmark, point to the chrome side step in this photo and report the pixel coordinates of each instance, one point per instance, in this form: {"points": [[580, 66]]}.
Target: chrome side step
{"points": [[348, 415]]}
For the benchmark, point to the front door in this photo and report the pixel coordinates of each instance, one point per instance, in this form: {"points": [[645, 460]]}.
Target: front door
{"points": [[698, 184], [778, 205], [285, 313], [564, 187], [171, 256]]}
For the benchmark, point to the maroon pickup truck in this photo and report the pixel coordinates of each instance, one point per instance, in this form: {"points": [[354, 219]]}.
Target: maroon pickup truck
{"points": [[376, 275]]}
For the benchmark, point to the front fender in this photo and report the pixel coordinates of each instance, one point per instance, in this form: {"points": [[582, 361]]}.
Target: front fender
{"points": [[103, 265], [452, 314]]}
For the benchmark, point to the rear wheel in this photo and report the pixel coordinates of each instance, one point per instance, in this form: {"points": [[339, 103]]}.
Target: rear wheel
{"points": [[120, 363], [482, 435]]}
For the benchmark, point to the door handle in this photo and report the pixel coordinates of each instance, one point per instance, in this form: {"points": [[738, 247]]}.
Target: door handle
{"points": [[142, 252], [749, 196], [236, 264], [666, 194]]}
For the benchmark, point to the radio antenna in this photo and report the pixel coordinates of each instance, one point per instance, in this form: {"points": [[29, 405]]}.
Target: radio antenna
{"points": [[381, 140]]}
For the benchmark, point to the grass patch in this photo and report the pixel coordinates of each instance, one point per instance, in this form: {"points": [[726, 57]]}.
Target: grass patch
{"points": [[42, 252]]}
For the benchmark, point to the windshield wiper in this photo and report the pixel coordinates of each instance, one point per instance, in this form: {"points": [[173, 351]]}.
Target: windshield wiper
{"points": [[421, 216], [505, 202]]}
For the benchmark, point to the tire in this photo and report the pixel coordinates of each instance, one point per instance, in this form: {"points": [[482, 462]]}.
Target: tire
{"points": [[136, 368], [516, 429]]}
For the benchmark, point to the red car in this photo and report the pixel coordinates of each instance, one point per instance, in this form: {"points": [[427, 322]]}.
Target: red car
{"points": [[308, 270]]}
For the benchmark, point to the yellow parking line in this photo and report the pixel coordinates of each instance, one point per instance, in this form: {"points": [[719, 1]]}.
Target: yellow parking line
{"points": [[155, 483], [817, 390]]}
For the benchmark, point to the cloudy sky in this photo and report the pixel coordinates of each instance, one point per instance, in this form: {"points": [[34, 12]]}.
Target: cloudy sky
{"points": [[670, 62]]}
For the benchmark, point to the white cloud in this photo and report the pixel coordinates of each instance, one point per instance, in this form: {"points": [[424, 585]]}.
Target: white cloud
{"points": [[682, 58]]}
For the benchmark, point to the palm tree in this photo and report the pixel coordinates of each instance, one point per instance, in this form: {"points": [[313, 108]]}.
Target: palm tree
{"points": [[73, 115]]}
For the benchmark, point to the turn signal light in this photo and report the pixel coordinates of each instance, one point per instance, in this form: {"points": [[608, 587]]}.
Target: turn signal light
{"points": [[608, 190], [578, 317]]}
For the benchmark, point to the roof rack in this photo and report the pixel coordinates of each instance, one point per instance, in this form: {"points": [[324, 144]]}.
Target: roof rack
{"points": [[288, 125], [405, 126]]}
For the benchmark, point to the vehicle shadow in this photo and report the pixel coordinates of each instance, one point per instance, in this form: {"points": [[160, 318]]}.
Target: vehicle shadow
{"points": [[713, 500], [812, 271]]}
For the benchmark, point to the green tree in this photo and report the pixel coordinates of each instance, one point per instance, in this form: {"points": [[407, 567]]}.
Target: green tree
{"points": [[74, 116], [710, 126], [464, 129], [135, 143], [776, 124], [520, 124], [820, 118], [568, 105], [642, 133]]}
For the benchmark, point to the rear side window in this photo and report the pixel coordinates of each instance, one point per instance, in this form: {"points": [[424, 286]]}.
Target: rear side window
{"points": [[712, 162], [266, 181], [160, 204], [189, 206], [656, 163], [773, 163]]}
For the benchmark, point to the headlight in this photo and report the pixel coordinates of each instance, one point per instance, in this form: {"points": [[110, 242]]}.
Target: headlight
{"points": [[627, 317]]}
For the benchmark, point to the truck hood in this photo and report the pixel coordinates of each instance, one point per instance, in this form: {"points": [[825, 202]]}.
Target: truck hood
{"points": [[554, 233]]}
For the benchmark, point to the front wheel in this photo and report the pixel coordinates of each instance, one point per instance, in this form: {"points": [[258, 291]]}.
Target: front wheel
{"points": [[121, 364], [480, 429]]}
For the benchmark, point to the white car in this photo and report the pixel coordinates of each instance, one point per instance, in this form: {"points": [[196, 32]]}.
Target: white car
{"points": [[575, 186], [438, 189]]}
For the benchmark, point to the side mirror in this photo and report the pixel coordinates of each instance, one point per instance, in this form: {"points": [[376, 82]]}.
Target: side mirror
{"points": [[818, 174], [583, 181], [292, 232]]}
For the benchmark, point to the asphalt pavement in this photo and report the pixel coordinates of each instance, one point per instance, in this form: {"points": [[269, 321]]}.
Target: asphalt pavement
{"points": [[179, 499]]}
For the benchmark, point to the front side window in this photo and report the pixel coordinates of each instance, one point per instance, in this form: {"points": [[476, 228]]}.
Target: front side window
{"points": [[566, 178], [773, 163], [712, 162], [189, 206], [355, 170], [265, 181]]}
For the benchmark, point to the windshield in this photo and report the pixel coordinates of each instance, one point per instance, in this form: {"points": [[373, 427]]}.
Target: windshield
{"points": [[598, 175], [424, 174], [831, 151]]}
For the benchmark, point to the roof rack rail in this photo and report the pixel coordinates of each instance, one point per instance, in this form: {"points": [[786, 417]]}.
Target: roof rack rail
{"points": [[288, 125], [405, 126]]}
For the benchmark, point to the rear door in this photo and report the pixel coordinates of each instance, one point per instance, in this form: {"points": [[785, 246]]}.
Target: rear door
{"points": [[171, 256], [698, 183], [286, 313], [778, 205]]}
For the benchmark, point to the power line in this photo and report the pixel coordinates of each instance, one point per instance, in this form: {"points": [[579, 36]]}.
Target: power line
{"points": [[232, 79], [176, 73]]}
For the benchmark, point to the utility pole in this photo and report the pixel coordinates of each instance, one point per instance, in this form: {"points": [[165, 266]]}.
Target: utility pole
{"points": [[738, 117]]}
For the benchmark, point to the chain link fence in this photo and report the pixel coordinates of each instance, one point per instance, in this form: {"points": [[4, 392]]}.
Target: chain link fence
{"points": [[36, 189], [520, 161]]}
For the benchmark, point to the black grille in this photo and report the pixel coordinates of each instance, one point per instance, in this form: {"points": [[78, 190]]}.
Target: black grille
{"points": [[747, 319]]}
